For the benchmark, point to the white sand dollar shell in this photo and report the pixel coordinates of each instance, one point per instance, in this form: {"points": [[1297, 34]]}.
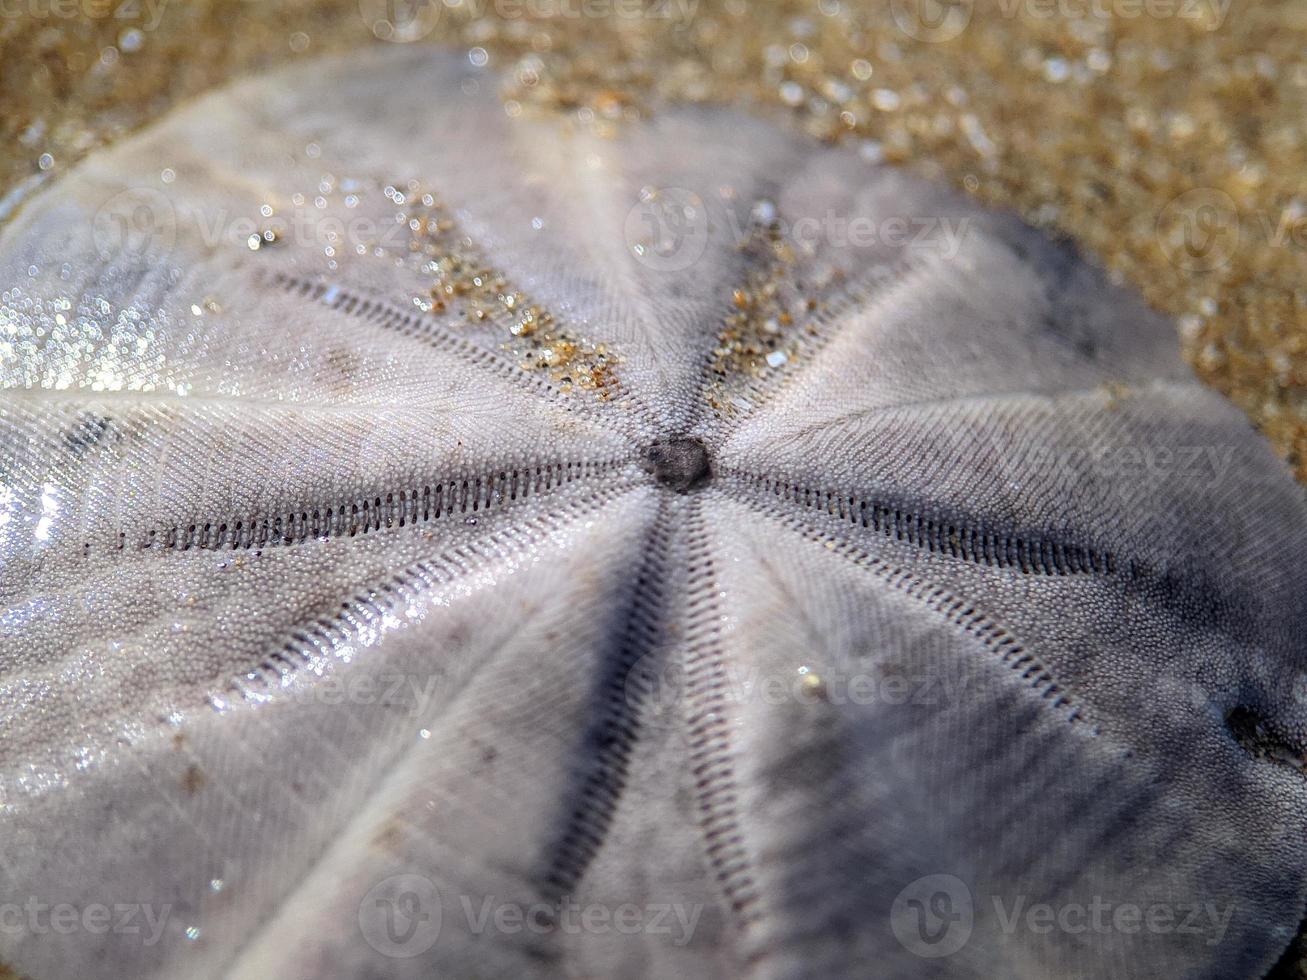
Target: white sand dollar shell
{"points": [[438, 543]]}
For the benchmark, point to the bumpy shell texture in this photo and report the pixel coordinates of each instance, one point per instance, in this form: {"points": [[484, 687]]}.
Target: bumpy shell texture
{"points": [[438, 543]]}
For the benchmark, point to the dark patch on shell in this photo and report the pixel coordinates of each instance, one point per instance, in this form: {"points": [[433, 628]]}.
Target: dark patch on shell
{"points": [[679, 464]]}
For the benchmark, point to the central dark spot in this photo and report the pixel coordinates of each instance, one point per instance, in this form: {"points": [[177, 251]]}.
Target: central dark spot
{"points": [[679, 464]]}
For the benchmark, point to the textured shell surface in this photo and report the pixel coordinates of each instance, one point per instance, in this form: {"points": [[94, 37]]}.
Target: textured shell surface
{"points": [[442, 543]]}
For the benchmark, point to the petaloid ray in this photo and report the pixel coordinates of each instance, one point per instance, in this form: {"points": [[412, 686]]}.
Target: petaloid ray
{"points": [[443, 544]]}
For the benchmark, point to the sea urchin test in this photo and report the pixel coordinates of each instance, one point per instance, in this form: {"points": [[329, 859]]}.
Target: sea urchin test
{"points": [[435, 542]]}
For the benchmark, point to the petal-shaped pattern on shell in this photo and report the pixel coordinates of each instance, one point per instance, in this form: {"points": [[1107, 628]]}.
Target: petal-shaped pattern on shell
{"points": [[885, 728], [272, 795]]}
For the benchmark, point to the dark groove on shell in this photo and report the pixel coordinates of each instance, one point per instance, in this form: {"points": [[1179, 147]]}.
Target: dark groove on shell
{"points": [[313, 638], [708, 731], [616, 726], [961, 537], [958, 611], [395, 508]]}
